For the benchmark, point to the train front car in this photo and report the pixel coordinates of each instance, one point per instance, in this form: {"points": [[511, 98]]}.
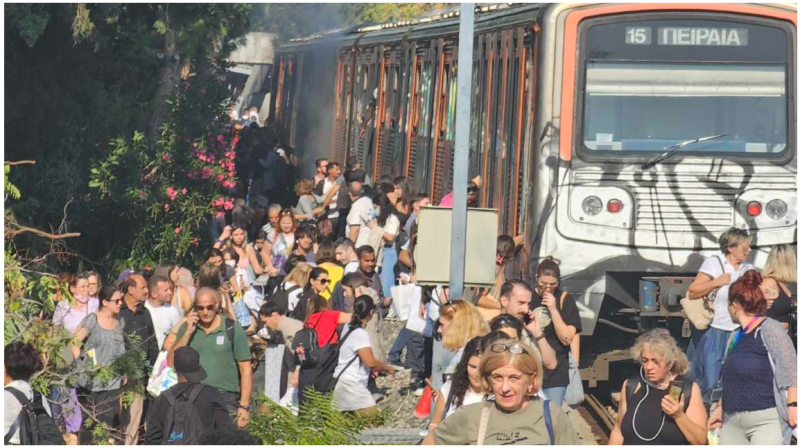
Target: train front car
{"points": [[630, 220]]}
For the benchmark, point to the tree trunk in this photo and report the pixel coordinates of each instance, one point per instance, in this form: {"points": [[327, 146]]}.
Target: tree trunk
{"points": [[170, 75]]}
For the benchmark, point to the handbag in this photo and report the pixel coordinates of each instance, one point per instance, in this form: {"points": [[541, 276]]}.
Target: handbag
{"points": [[700, 311], [402, 297]]}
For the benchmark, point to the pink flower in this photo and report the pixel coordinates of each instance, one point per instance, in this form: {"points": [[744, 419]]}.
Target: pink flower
{"points": [[220, 138], [171, 193], [229, 204], [207, 172], [211, 159], [195, 242], [166, 157], [219, 202], [220, 177], [177, 230], [202, 157], [166, 207], [184, 191], [220, 215]]}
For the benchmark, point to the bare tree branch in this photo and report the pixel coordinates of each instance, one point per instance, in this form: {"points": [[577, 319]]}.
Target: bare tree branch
{"points": [[23, 229], [21, 162]]}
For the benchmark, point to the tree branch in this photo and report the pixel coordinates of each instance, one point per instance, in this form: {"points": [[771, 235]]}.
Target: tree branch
{"points": [[23, 229], [21, 162]]}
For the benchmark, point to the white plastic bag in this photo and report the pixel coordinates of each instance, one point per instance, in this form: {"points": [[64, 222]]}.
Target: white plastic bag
{"points": [[402, 296], [163, 376]]}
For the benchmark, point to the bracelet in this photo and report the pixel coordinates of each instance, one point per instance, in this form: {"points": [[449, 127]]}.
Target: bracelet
{"points": [[540, 337], [246, 408], [791, 405]]}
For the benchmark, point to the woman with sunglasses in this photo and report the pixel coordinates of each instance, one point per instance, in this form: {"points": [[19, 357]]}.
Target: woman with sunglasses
{"points": [[508, 324], [318, 281], [565, 324], [100, 340], [463, 388], [512, 372]]}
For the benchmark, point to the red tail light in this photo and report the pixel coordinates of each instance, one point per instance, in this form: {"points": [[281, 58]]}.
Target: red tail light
{"points": [[614, 206], [754, 208]]}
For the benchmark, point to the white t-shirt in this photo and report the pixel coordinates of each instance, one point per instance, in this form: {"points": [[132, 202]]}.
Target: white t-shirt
{"points": [[361, 213], [13, 407], [326, 188], [351, 267], [357, 372], [164, 318], [711, 267], [470, 397]]}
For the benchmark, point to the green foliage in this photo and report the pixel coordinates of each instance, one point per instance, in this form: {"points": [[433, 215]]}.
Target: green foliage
{"points": [[165, 193], [291, 20], [319, 423], [27, 20], [9, 188]]}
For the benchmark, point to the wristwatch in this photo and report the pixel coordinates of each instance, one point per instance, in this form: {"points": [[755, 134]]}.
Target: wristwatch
{"points": [[246, 408], [540, 337], [793, 404]]}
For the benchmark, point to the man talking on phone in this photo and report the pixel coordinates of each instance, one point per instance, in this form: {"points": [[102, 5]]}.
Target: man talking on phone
{"points": [[224, 352]]}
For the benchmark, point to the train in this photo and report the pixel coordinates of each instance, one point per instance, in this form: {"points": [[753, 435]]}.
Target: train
{"points": [[620, 139]]}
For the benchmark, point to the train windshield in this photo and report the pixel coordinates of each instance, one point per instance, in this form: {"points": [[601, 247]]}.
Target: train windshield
{"points": [[652, 84]]}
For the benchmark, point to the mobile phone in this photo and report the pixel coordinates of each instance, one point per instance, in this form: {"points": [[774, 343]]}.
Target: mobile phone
{"points": [[675, 389], [526, 318]]}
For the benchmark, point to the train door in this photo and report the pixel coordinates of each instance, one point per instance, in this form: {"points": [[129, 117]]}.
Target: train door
{"points": [[391, 148], [343, 104], [365, 96], [420, 126], [444, 121]]}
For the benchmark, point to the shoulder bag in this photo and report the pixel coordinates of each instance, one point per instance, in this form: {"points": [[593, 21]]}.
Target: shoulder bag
{"points": [[700, 311]]}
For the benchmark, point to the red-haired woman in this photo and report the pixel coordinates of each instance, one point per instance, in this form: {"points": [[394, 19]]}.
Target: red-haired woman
{"points": [[759, 373]]}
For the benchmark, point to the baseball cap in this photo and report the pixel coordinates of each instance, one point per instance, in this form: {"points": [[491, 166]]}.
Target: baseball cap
{"points": [[187, 363]]}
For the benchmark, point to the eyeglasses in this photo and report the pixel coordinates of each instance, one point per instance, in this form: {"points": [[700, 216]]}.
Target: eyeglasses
{"points": [[324, 281], [199, 308], [515, 349], [116, 301]]}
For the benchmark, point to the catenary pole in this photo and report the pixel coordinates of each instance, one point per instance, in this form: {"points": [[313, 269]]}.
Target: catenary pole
{"points": [[461, 160], [441, 356]]}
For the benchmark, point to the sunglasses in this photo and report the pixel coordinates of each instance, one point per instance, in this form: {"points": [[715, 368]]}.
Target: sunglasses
{"points": [[285, 212], [324, 281], [514, 349], [199, 308], [116, 302]]}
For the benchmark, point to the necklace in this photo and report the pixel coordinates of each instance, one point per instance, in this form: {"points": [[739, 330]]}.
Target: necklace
{"points": [[635, 411]]}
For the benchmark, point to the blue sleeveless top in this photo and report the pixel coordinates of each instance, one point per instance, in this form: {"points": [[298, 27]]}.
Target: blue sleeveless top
{"points": [[747, 376]]}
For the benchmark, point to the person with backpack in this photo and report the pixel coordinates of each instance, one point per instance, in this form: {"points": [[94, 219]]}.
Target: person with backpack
{"points": [[648, 413], [513, 373], [356, 362], [182, 414], [25, 421], [224, 352]]}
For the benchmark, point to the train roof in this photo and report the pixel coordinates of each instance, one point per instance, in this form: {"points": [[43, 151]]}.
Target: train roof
{"points": [[435, 23]]}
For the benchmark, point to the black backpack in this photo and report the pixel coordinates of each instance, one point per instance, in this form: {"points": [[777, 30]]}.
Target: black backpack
{"points": [[307, 338], [183, 425], [281, 297], [34, 425], [328, 359]]}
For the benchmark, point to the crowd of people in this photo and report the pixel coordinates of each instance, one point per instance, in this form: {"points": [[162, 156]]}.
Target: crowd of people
{"points": [[295, 290]]}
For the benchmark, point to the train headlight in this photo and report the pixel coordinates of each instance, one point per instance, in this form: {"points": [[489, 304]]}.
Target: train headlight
{"points": [[776, 209], [592, 206]]}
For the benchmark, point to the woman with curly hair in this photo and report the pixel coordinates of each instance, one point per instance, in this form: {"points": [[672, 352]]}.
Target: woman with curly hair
{"points": [[463, 388]]}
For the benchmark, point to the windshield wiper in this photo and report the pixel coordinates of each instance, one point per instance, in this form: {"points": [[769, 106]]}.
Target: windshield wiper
{"points": [[672, 149]]}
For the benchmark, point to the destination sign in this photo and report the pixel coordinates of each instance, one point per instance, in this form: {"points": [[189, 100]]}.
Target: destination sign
{"points": [[688, 36]]}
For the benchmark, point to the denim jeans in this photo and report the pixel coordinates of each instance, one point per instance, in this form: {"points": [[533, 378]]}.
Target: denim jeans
{"points": [[555, 394], [387, 270], [415, 351], [706, 352]]}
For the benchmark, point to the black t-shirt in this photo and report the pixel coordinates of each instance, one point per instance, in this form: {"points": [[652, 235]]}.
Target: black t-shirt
{"points": [[559, 377], [781, 309]]}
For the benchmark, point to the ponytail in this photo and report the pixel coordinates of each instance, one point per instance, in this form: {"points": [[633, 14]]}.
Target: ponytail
{"points": [[361, 308]]}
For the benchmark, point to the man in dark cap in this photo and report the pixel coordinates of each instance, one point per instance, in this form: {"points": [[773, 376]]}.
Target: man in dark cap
{"points": [[205, 400]]}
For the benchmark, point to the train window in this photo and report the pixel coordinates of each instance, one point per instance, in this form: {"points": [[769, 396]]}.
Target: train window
{"points": [[683, 102], [655, 82]]}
